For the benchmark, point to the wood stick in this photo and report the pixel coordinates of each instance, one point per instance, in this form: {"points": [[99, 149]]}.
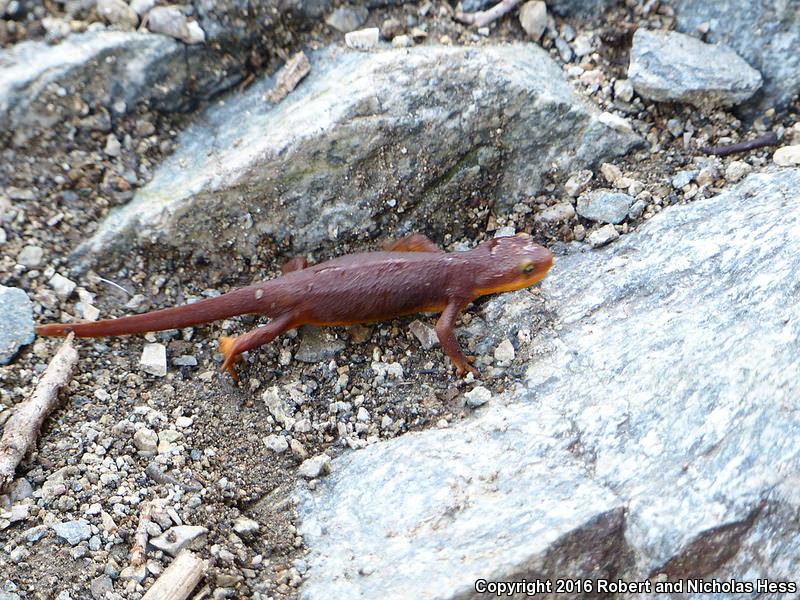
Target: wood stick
{"points": [[22, 428], [289, 76], [768, 139], [484, 17], [140, 537], [179, 579]]}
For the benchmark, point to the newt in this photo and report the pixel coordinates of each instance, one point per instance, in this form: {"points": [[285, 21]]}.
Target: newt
{"points": [[411, 275]]}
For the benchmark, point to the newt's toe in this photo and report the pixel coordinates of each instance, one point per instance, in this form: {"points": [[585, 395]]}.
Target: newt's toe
{"points": [[227, 345]]}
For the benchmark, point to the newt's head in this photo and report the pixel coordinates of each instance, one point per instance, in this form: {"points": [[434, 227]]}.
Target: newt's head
{"points": [[512, 263]]}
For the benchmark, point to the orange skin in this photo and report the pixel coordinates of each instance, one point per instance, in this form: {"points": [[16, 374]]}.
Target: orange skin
{"points": [[412, 275]]}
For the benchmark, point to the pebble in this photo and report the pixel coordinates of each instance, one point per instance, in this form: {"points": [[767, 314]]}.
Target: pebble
{"points": [[563, 211], [315, 466], [604, 206], [424, 333], [623, 90], [276, 443], [170, 21], [318, 345], [145, 440], [683, 178], [167, 439], [667, 66], [154, 359], [583, 44], [504, 352], [245, 526], [363, 39], [30, 256], [62, 286], [477, 396], [131, 573], [113, 147], [298, 450], [362, 415], [183, 422], [176, 538], [100, 586], [533, 18], [788, 156], [73, 532], [737, 170], [605, 235], [117, 12], [347, 18], [610, 172], [184, 360], [141, 7], [564, 50], [391, 28], [402, 41], [16, 322], [278, 405], [578, 182], [637, 209]]}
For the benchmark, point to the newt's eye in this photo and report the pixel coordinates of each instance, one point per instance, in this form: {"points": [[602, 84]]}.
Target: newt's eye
{"points": [[526, 267]]}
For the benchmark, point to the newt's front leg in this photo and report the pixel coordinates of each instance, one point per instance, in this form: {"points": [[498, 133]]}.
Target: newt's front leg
{"points": [[447, 338], [232, 348]]}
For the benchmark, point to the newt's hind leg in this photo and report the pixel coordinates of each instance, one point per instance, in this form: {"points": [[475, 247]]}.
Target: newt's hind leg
{"points": [[232, 348], [413, 242]]}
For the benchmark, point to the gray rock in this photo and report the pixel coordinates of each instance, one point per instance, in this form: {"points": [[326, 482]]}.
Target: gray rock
{"points": [[563, 211], [354, 114], [171, 21], [363, 39], [604, 206], [602, 236], [174, 539], [30, 256], [16, 322], [117, 12], [477, 396], [533, 18], [245, 526], [318, 345], [154, 359], [145, 440], [667, 66], [276, 443], [579, 7], [683, 178], [651, 453], [347, 18], [73, 532], [425, 333], [314, 467], [765, 33], [40, 84], [100, 586]]}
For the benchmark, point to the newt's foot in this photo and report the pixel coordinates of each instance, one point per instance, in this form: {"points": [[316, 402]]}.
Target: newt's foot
{"points": [[466, 367], [227, 347]]}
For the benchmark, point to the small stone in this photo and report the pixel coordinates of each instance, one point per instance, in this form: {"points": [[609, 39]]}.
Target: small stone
{"points": [[318, 345], [636, 209], [578, 182], [170, 21], [184, 360], [140, 7], [623, 90], [507, 231], [21, 194], [477, 396], [73, 532], [583, 44], [30, 256], [62, 286], [610, 172], [363, 39], [154, 359], [298, 450], [113, 147], [362, 415], [278, 405], [183, 422], [402, 41], [145, 440], [533, 18], [16, 322], [667, 66], [117, 12], [683, 178], [131, 573], [167, 439], [424, 333], [176, 538], [276, 443], [391, 28], [347, 18], [315, 467], [706, 176], [604, 206], [737, 170], [605, 235], [504, 352], [100, 586], [20, 489], [788, 156], [34, 534], [245, 526], [563, 211], [675, 127]]}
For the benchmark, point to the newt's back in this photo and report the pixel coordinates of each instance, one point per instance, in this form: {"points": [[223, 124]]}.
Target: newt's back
{"points": [[372, 286]]}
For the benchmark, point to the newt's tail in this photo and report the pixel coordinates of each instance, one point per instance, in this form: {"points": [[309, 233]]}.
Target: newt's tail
{"points": [[238, 302]]}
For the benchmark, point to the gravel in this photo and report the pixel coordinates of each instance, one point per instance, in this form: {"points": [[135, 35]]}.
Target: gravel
{"points": [[16, 322]]}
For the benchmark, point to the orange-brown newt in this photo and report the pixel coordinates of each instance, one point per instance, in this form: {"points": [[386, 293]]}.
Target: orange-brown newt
{"points": [[412, 275]]}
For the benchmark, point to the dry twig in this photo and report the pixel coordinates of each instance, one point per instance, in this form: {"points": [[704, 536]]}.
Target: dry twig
{"points": [[289, 76], [179, 579], [140, 537], [482, 18], [768, 139], [22, 428]]}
